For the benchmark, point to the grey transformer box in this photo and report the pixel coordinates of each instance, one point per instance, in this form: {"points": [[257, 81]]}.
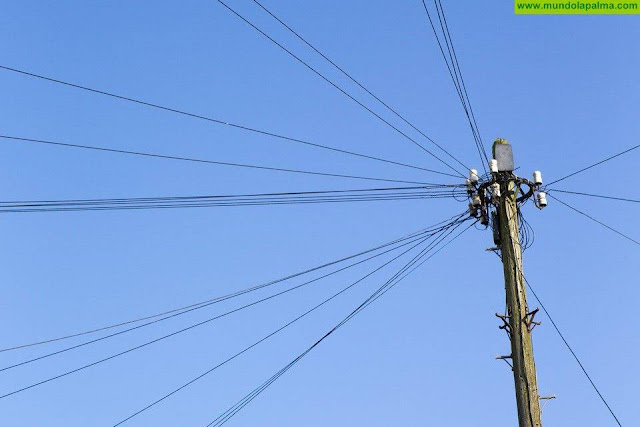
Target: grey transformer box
{"points": [[503, 153]]}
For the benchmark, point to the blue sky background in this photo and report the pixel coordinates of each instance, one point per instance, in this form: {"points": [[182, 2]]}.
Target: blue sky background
{"points": [[563, 90]]}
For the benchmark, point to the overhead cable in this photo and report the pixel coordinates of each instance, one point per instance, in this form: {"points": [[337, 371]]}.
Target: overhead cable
{"points": [[595, 164], [622, 199], [353, 79], [425, 193], [396, 278], [456, 76], [213, 120], [227, 296], [195, 160], [595, 220], [113, 356], [461, 84], [180, 313], [145, 344], [379, 117], [566, 343], [185, 385]]}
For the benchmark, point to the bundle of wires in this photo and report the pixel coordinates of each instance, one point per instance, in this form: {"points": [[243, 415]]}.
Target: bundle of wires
{"points": [[430, 191]]}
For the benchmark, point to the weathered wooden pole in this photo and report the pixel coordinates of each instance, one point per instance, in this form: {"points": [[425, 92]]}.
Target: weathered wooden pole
{"points": [[520, 319]]}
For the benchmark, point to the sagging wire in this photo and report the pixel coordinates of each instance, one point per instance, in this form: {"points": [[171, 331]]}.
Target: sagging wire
{"points": [[527, 234]]}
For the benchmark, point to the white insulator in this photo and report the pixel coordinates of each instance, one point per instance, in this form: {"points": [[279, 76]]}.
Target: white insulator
{"points": [[493, 166], [469, 185], [542, 199], [473, 175], [475, 201], [537, 178], [495, 190]]}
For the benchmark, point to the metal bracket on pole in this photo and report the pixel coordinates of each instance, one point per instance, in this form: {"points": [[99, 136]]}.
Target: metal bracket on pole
{"points": [[528, 320], [506, 360], [505, 323], [546, 399]]}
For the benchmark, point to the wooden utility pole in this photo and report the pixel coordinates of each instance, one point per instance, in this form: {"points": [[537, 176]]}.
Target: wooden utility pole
{"points": [[520, 319]]}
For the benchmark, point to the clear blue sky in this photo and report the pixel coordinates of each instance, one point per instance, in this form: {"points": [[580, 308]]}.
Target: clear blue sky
{"points": [[563, 90]]}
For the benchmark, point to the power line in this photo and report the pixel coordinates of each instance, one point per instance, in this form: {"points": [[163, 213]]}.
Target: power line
{"points": [[193, 380], [464, 97], [191, 159], [234, 294], [353, 79], [422, 257], [183, 386], [113, 356], [339, 88], [573, 353], [419, 262], [180, 313], [456, 76], [229, 201], [555, 190], [233, 410], [594, 165], [64, 350], [217, 121], [186, 199], [464, 86], [595, 220], [444, 56], [243, 195], [230, 412], [395, 279], [208, 205], [72, 208]]}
